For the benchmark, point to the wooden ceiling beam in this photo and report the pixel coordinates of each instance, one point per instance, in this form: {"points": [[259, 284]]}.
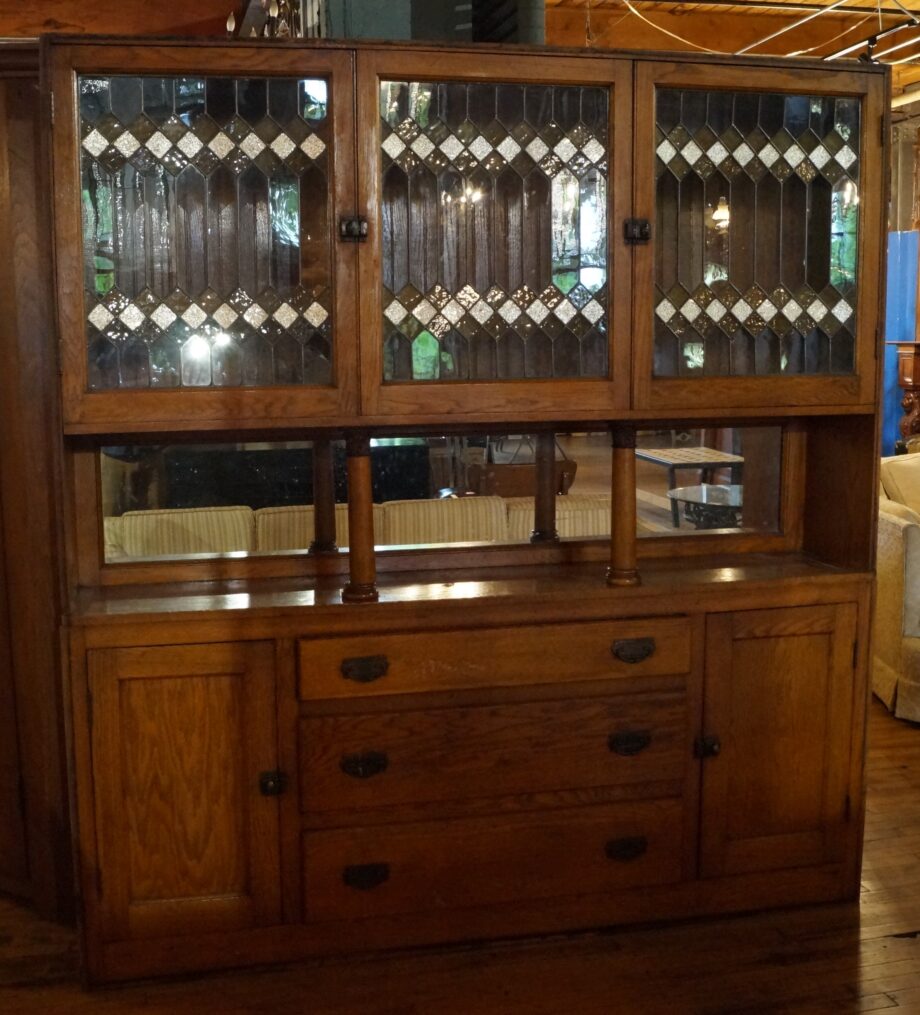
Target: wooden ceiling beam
{"points": [[715, 30]]}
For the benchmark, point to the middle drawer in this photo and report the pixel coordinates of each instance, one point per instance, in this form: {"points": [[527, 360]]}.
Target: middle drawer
{"points": [[366, 761]]}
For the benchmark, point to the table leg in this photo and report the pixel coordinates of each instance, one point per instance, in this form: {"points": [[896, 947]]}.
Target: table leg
{"points": [[675, 507]]}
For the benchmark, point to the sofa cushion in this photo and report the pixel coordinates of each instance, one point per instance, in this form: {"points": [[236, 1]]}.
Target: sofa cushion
{"points": [[291, 527], [460, 520], [901, 479], [169, 533]]}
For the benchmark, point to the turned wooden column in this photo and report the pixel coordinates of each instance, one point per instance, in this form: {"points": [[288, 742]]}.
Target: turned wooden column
{"points": [[323, 497], [622, 570], [909, 382], [362, 584], [544, 526]]}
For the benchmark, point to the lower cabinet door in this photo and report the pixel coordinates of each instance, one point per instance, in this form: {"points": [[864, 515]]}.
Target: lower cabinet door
{"points": [[779, 699], [187, 840]]}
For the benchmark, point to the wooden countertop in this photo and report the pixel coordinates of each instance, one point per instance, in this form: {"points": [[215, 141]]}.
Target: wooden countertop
{"points": [[581, 587]]}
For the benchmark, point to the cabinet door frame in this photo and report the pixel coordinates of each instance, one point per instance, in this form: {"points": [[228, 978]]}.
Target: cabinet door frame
{"points": [[145, 409], [535, 399], [857, 388], [829, 841], [107, 671]]}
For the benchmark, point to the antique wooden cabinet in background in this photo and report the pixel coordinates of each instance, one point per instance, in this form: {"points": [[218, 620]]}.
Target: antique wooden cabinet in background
{"points": [[323, 241]]}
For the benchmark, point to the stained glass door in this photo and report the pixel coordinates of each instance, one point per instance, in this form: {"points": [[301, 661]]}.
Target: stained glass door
{"points": [[212, 281], [493, 232], [756, 193]]}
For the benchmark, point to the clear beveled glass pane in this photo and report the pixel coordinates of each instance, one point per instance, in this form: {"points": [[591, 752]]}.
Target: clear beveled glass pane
{"points": [[207, 255], [494, 245], [756, 233]]}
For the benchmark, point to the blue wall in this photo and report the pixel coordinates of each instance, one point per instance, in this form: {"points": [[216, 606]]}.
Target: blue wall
{"points": [[900, 326]]}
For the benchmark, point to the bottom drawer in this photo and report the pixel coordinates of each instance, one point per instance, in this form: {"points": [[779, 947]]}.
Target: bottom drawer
{"points": [[419, 867]]}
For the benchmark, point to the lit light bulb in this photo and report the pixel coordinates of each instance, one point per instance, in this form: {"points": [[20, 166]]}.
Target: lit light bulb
{"points": [[231, 23], [721, 216]]}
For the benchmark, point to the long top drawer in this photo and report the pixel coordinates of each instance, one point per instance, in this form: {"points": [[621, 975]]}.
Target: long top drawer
{"points": [[385, 664]]}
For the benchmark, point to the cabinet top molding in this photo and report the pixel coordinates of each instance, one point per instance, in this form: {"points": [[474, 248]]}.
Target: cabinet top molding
{"points": [[124, 43]]}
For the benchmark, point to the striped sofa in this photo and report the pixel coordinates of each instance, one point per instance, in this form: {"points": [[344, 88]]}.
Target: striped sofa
{"points": [[182, 531]]}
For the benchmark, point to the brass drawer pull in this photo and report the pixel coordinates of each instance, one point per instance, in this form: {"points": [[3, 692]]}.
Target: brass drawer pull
{"points": [[628, 743], [630, 848], [365, 765], [365, 669], [364, 877], [633, 650]]}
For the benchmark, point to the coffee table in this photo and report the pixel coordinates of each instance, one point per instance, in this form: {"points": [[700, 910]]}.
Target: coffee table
{"points": [[709, 505], [706, 460]]}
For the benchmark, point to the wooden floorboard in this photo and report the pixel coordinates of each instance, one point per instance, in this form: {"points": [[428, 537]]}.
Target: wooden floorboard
{"points": [[835, 959]]}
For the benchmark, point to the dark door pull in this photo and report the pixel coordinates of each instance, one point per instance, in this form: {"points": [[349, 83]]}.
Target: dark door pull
{"points": [[629, 742], [365, 669], [272, 783], [707, 747], [364, 877], [633, 650], [630, 848], [365, 765]]}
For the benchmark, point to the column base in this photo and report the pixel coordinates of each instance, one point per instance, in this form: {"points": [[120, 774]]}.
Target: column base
{"points": [[617, 578], [360, 593]]}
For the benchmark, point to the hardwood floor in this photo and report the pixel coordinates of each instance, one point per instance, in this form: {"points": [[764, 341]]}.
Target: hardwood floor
{"points": [[835, 959]]}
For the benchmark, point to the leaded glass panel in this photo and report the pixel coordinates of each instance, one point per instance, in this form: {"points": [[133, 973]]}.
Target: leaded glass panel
{"points": [[757, 215], [207, 252], [494, 245]]}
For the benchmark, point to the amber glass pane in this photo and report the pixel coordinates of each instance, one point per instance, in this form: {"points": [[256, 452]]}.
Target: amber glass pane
{"points": [[756, 233], [494, 246], [206, 250]]}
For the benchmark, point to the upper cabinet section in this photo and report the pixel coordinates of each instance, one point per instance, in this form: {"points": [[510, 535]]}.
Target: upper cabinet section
{"points": [[209, 284], [492, 189], [260, 235], [764, 188]]}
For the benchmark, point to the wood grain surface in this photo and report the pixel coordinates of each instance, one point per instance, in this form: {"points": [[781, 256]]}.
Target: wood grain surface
{"points": [[811, 960]]}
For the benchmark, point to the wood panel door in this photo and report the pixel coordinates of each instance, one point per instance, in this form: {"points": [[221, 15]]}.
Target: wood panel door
{"points": [[187, 843], [779, 696], [200, 276]]}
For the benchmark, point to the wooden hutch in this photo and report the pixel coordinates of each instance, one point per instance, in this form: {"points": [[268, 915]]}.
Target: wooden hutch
{"points": [[304, 753]]}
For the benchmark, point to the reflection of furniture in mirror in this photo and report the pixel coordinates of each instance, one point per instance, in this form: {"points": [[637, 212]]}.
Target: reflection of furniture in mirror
{"points": [[705, 460], [519, 479], [709, 505]]}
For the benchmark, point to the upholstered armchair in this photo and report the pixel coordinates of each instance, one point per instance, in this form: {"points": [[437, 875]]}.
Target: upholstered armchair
{"points": [[896, 634]]}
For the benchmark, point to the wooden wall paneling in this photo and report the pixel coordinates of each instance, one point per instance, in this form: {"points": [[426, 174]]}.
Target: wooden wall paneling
{"points": [[29, 485], [14, 860], [841, 490], [112, 17]]}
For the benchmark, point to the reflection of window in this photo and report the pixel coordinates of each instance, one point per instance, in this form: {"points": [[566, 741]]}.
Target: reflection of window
{"points": [[285, 210], [314, 98], [579, 230], [97, 231], [844, 223]]}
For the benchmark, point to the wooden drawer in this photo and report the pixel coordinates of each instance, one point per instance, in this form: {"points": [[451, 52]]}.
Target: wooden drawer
{"points": [[452, 660], [414, 868], [381, 759]]}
